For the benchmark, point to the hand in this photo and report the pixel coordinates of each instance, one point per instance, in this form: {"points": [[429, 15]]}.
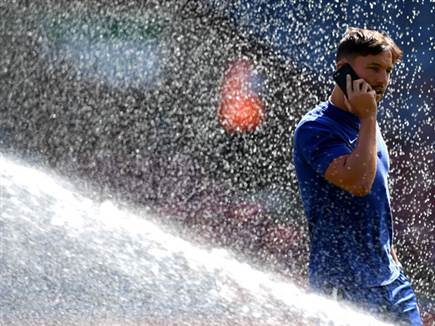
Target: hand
{"points": [[394, 254], [361, 99]]}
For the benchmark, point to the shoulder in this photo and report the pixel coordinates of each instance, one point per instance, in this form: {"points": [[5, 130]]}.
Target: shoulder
{"points": [[316, 121]]}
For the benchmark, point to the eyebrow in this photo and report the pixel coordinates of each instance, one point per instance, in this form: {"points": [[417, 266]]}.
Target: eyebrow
{"points": [[380, 65]]}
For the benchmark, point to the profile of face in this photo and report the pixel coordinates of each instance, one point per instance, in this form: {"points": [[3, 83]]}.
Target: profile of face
{"points": [[374, 69]]}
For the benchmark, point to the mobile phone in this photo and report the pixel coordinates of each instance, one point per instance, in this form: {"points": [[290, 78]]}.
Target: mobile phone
{"points": [[340, 76]]}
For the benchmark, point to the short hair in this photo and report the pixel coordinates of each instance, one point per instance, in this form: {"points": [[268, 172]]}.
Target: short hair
{"points": [[363, 42]]}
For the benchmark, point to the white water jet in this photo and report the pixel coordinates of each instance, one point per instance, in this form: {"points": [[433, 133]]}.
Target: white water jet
{"points": [[67, 260]]}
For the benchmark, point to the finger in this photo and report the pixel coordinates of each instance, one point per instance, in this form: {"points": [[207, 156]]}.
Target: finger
{"points": [[357, 84], [365, 87], [348, 84], [347, 104]]}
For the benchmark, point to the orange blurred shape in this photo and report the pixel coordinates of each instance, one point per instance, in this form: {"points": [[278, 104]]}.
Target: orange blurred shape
{"points": [[240, 110], [241, 114]]}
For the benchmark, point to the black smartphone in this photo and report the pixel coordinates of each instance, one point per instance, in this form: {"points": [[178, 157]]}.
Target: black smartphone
{"points": [[340, 76]]}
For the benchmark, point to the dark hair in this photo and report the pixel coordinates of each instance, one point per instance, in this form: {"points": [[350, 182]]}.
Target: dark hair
{"points": [[359, 41]]}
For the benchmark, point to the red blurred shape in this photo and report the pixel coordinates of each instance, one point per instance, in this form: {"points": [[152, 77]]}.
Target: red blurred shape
{"points": [[241, 109]]}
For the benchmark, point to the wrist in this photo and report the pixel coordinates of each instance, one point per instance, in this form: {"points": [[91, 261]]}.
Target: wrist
{"points": [[368, 119]]}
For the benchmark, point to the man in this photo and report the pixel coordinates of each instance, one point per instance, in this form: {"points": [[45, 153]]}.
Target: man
{"points": [[342, 165]]}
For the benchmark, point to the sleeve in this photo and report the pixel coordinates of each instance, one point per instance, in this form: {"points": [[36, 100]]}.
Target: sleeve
{"points": [[319, 145]]}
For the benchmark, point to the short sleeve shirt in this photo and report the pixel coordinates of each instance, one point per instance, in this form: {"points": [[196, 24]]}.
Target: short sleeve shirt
{"points": [[350, 236]]}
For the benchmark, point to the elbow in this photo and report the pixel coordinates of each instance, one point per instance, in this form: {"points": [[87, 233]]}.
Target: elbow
{"points": [[357, 183], [361, 190]]}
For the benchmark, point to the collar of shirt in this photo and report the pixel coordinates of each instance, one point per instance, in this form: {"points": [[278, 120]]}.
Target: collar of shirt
{"points": [[341, 115]]}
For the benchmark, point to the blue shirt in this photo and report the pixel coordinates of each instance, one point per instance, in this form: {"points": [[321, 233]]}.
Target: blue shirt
{"points": [[350, 236]]}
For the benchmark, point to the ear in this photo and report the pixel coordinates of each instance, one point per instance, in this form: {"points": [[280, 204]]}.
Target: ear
{"points": [[340, 63]]}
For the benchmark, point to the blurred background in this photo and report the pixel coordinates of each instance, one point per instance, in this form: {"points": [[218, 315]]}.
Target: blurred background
{"points": [[188, 108]]}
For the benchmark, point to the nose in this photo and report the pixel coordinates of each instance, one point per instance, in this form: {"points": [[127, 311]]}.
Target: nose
{"points": [[383, 78]]}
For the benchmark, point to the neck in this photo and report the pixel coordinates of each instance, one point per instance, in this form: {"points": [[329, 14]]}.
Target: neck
{"points": [[337, 98]]}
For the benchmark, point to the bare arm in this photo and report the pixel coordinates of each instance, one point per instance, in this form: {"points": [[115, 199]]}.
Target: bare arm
{"points": [[356, 171]]}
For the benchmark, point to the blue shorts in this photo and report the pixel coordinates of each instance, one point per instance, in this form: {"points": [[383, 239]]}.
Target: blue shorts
{"points": [[395, 303]]}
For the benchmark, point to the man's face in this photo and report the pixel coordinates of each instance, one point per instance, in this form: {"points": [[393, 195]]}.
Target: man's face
{"points": [[375, 70]]}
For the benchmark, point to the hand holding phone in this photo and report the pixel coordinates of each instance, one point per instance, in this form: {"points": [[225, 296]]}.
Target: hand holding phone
{"points": [[340, 77], [362, 101]]}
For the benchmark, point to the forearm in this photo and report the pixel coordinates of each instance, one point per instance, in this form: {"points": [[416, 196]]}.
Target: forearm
{"points": [[355, 172], [361, 163]]}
